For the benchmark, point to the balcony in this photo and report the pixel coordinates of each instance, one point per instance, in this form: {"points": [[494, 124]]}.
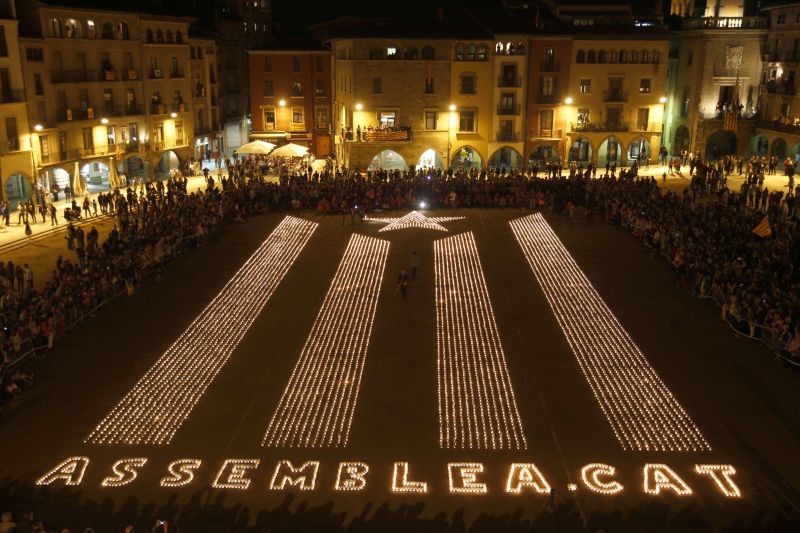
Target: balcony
{"points": [[13, 96], [393, 134], [131, 74], [547, 99], [725, 23], [72, 76], [591, 127], [68, 115], [779, 125], [176, 73], [507, 136], [158, 109], [509, 81], [94, 151], [615, 95], [549, 66], [199, 92], [156, 74], [780, 86], [12, 145], [505, 109]]}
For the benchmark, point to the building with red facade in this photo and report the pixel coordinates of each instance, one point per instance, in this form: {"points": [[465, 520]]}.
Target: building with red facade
{"points": [[290, 96]]}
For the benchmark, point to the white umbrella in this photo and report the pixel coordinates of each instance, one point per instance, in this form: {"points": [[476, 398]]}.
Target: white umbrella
{"points": [[319, 165], [256, 147], [77, 182], [290, 150]]}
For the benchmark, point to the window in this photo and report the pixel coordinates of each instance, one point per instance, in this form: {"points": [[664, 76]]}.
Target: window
{"points": [[782, 18], [467, 84], [431, 118], [107, 31], [428, 85], [108, 99], [685, 103], [391, 52], [123, 32], [410, 53], [583, 117], [471, 52], [268, 89], [169, 36], [644, 85], [466, 121], [179, 38], [689, 57], [376, 85], [319, 90], [320, 64], [91, 29], [480, 55], [88, 139], [34, 54], [111, 135], [297, 115], [591, 57], [149, 34], [388, 118], [267, 64], [297, 88], [585, 86], [601, 57], [376, 53], [37, 84], [159, 36], [428, 53], [547, 86], [580, 57], [295, 64], [459, 52], [549, 57], [613, 115], [269, 118], [72, 29], [642, 118], [56, 30], [546, 123], [179, 130], [321, 114]]}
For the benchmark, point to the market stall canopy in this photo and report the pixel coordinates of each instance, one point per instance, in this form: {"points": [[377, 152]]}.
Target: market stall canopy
{"points": [[290, 150], [256, 147]]}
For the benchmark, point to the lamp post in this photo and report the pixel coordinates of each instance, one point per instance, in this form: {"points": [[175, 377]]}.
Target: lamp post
{"points": [[452, 108], [567, 102]]}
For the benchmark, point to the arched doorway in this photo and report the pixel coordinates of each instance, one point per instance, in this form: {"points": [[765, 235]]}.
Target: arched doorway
{"points": [[543, 153], [506, 157], [610, 152], [466, 158], [133, 168], [759, 145], [95, 176], [639, 150], [681, 141], [778, 148], [719, 144], [388, 160], [168, 163], [580, 151], [18, 189], [430, 158]]}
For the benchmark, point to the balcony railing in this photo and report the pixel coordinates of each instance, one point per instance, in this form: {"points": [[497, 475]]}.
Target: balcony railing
{"points": [[780, 86], [725, 23], [509, 81], [176, 73], [549, 66], [508, 109], [590, 127], [397, 133], [98, 150], [777, 125], [72, 76], [507, 136], [131, 74], [547, 99], [11, 145], [12, 96], [156, 74], [615, 95]]}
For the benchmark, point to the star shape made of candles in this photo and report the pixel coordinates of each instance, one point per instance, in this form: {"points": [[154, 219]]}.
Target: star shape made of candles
{"points": [[414, 219]]}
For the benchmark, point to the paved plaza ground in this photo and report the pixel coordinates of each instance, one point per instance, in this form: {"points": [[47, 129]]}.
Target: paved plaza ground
{"points": [[746, 404]]}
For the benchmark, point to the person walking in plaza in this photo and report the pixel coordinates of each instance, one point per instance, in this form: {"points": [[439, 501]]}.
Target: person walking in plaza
{"points": [[6, 214], [86, 204], [414, 265], [402, 283], [22, 214], [28, 232], [53, 215]]}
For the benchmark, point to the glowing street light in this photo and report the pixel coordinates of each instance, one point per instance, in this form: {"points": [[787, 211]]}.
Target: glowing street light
{"points": [[663, 99], [359, 106], [104, 120], [38, 127], [568, 100], [282, 102], [452, 107], [173, 114]]}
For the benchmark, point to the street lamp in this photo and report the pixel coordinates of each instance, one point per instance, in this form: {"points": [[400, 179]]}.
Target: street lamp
{"points": [[359, 106], [282, 102], [104, 120], [38, 127], [452, 107], [173, 114], [568, 100], [663, 100]]}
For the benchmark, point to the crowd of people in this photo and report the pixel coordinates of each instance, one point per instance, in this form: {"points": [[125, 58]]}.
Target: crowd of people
{"points": [[705, 231]]}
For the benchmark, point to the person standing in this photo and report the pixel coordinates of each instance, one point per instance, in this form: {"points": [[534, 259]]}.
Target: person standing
{"points": [[53, 215], [414, 265], [402, 283], [28, 231]]}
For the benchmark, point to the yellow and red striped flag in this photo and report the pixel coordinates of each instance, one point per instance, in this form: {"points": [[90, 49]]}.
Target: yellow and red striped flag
{"points": [[763, 229]]}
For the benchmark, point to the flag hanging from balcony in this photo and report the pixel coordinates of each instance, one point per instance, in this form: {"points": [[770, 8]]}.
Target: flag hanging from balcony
{"points": [[763, 229]]}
